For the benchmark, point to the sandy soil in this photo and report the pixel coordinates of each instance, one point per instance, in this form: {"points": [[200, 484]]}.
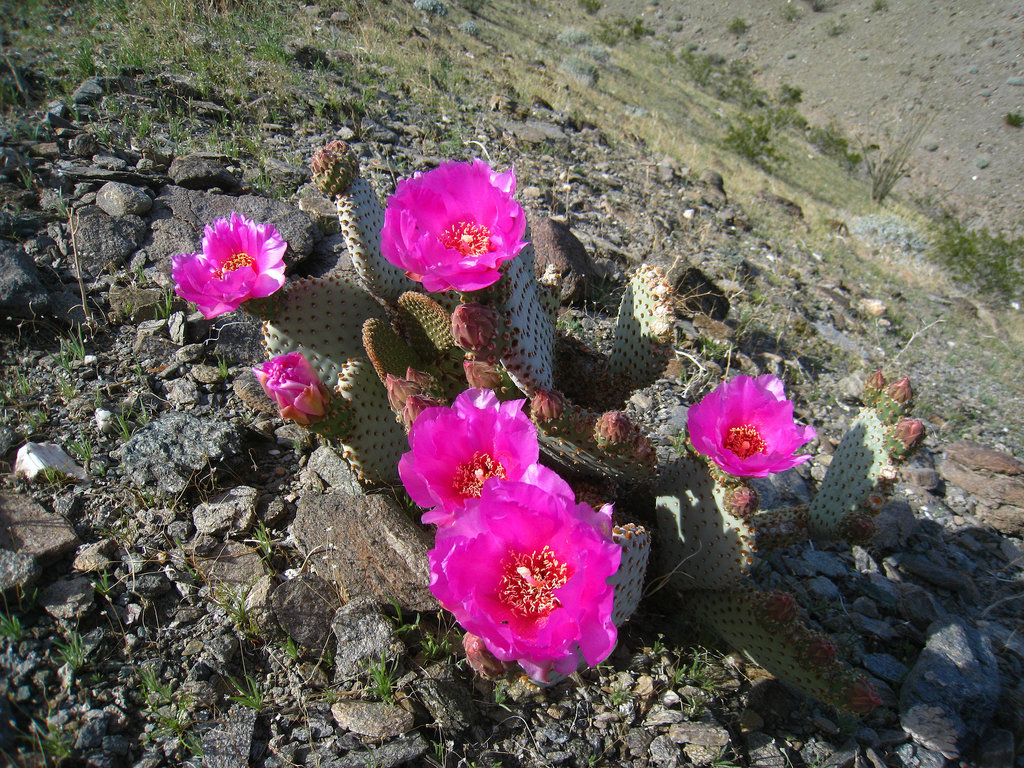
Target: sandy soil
{"points": [[871, 67]]}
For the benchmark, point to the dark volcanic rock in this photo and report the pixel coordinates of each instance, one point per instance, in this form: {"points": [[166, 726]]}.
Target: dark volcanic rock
{"points": [[201, 171], [559, 250], [104, 243], [28, 529], [22, 295], [304, 607]]}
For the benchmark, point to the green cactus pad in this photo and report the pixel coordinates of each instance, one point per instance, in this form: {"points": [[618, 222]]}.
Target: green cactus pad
{"points": [[643, 330], [362, 219], [530, 334], [628, 581], [426, 325], [702, 546], [387, 352], [323, 318], [376, 441], [859, 465], [786, 649]]}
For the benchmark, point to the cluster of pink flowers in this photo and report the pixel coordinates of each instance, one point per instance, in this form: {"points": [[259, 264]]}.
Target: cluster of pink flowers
{"points": [[240, 260], [746, 427], [520, 563]]}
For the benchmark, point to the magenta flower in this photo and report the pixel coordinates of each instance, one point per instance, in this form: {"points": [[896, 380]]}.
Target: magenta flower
{"points": [[456, 450], [526, 569], [746, 427], [291, 382], [452, 227], [240, 260]]}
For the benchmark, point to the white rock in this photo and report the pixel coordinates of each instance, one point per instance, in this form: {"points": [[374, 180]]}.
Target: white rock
{"points": [[105, 421], [34, 458]]}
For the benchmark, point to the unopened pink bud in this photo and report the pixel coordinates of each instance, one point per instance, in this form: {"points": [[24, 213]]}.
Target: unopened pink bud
{"points": [[474, 327], [415, 405], [419, 377], [547, 405], [901, 391], [742, 501], [399, 391], [910, 432], [821, 652], [876, 382], [614, 427], [857, 528], [778, 608], [480, 659], [291, 382], [481, 374]]}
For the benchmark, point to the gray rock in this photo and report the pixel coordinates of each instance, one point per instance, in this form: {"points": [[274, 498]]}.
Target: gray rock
{"points": [[202, 171], [89, 92], [367, 545], [449, 703], [232, 564], [996, 749], [950, 693], [823, 588], [28, 529], [179, 216], [536, 132], [841, 341], [995, 477], [333, 470], [375, 719], [894, 525], [304, 607], [18, 572], [699, 294], [117, 199], [814, 561], [226, 744], [22, 295], [285, 176], [238, 338], [557, 249], [885, 666], [398, 751], [700, 733], [173, 452], [764, 753], [69, 599], [914, 756], [782, 489], [664, 752], [105, 243], [365, 637], [233, 510]]}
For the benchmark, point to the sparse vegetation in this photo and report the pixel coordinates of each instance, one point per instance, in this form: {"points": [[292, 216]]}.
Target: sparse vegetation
{"points": [[1014, 119], [738, 26], [888, 168], [753, 138], [992, 262]]}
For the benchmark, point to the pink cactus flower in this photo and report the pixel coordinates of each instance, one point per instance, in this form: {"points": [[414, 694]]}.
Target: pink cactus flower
{"points": [[240, 260], [746, 427], [456, 450], [526, 569], [291, 382], [454, 226]]}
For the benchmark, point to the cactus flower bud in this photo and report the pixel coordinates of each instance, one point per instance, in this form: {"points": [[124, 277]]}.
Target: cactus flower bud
{"points": [[547, 405], [415, 405], [909, 432], [821, 652], [482, 661], [777, 608], [294, 385], [857, 528], [742, 501], [861, 697], [474, 327], [334, 167], [876, 382], [901, 391], [419, 377], [481, 374], [614, 428], [400, 390]]}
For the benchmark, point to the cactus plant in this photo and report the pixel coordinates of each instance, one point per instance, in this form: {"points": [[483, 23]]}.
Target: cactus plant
{"points": [[390, 349]]}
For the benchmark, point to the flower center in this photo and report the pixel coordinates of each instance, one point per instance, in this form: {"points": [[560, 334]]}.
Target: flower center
{"points": [[745, 441], [469, 477], [467, 238], [237, 261], [527, 583]]}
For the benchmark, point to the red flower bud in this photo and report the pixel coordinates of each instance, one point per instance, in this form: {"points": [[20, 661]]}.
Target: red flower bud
{"points": [[876, 382], [901, 391], [742, 501], [857, 528], [483, 662], [861, 697], [415, 405], [614, 427], [474, 327], [778, 608], [821, 652], [547, 405], [419, 377], [481, 374], [910, 432], [399, 391]]}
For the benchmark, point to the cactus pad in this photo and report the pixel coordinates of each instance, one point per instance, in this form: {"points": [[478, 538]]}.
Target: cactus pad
{"points": [[629, 579], [643, 330]]}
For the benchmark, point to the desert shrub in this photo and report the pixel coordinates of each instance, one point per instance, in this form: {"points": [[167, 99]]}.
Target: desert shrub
{"points": [[590, 6], [1014, 119], [614, 29], [738, 26], [890, 165], [880, 5], [597, 52], [836, 28], [470, 28], [573, 36], [832, 144], [993, 263], [752, 138], [473, 6], [580, 69], [789, 95], [432, 7]]}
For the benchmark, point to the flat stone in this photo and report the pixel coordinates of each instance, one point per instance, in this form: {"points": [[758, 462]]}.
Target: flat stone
{"points": [[233, 510], [378, 720], [994, 477], [226, 743], [176, 450], [950, 693], [885, 666], [28, 529], [536, 132], [68, 599], [449, 703], [233, 564], [664, 752], [119, 199], [90, 91], [782, 489], [333, 470], [365, 637], [304, 607], [18, 572], [22, 295], [105, 243], [366, 545], [699, 733], [201, 171], [250, 392], [400, 751]]}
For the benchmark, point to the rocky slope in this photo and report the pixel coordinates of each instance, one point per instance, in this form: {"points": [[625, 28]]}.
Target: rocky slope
{"points": [[216, 584]]}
